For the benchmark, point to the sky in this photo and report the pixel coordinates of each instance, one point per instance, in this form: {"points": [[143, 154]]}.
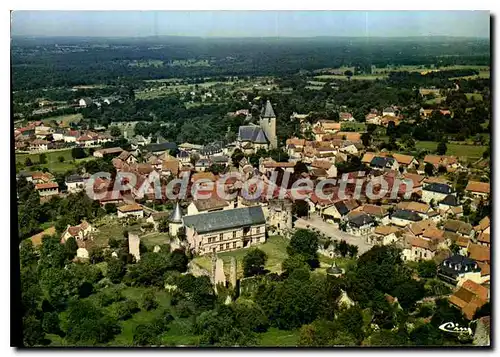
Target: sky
{"points": [[251, 23]]}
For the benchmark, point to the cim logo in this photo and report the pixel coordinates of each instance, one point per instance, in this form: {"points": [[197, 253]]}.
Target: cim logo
{"points": [[454, 328]]}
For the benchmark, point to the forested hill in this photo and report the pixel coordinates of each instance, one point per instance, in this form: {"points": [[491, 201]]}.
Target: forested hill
{"points": [[54, 62]]}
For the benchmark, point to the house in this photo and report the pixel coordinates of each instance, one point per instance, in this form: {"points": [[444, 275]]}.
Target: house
{"points": [[449, 162], [70, 136], [461, 228], [359, 224], [270, 166], [160, 148], [156, 217], [47, 189], [183, 156], [344, 116], [75, 183], [479, 253], [83, 231], [219, 160], [373, 118], [450, 206], [389, 111], [459, 268], [382, 163], [85, 102], [170, 166], [263, 136], [483, 227], [109, 152], [419, 249], [127, 157], [225, 230], [86, 141], [328, 166], [422, 209], [384, 235], [402, 217], [39, 145], [211, 204], [405, 161], [378, 213], [436, 192], [130, 210], [469, 298], [295, 147], [339, 210], [478, 189], [348, 135]]}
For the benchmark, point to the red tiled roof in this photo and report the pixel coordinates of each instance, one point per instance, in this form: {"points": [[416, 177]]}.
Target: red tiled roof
{"points": [[130, 208], [481, 187], [47, 185]]}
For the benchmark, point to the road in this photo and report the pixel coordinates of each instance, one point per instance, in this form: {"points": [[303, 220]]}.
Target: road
{"points": [[331, 231]]}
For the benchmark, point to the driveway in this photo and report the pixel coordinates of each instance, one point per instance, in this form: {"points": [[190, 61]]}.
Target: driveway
{"points": [[331, 231]]}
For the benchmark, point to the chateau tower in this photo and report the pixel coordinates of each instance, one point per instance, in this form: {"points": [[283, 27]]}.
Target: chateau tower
{"points": [[268, 124], [175, 220]]}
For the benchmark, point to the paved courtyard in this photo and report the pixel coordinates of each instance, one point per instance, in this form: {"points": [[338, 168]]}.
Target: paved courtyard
{"points": [[331, 231]]}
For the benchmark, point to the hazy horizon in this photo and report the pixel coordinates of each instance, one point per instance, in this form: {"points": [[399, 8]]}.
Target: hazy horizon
{"points": [[251, 24]]}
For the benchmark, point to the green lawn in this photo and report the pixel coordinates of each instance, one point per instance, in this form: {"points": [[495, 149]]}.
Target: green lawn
{"points": [[53, 163], [356, 126], [275, 248], [155, 238], [274, 337], [477, 96], [66, 119], [459, 150]]}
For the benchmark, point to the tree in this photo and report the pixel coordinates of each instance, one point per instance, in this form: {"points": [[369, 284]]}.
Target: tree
{"points": [[71, 247], [42, 159], [27, 253], [348, 74], [116, 270], [441, 148], [305, 243], [149, 300], [110, 208], [60, 158], [253, 262], [300, 208], [78, 153], [88, 324], [50, 322], [429, 169], [32, 331], [115, 131], [366, 139], [145, 335], [427, 268], [163, 225], [237, 156], [124, 310], [28, 162]]}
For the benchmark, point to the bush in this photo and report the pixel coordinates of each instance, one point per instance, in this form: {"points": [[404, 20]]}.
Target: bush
{"points": [[124, 310], [109, 296], [184, 308], [149, 301], [60, 158]]}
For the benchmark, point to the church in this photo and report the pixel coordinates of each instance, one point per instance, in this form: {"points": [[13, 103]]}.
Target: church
{"points": [[263, 136]]}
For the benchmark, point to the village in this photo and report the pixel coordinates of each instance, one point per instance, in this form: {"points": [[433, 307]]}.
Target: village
{"points": [[423, 216]]}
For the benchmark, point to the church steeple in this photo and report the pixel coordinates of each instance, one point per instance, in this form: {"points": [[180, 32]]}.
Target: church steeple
{"points": [[268, 111]]}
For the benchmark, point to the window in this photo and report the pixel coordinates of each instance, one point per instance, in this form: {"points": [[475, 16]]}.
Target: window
{"points": [[234, 245], [209, 240], [220, 236], [213, 249], [258, 230], [227, 245], [234, 234], [221, 246]]}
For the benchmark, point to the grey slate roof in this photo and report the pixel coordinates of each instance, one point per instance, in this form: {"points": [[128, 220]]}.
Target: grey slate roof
{"points": [[268, 111], [407, 215], [438, 187], [381, 162], [228, 219], [252, 133], [458, 264], [360, 220], [74, 178], [160, 147], [341, 208], [176, 216], [450, 200]]}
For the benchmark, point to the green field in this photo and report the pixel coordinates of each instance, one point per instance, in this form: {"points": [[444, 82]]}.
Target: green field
{"points": [[53, 163], [155, 238], [476, 96], [65, 119], [365, 77], [360, 127], [274, 337], [472, 151]]}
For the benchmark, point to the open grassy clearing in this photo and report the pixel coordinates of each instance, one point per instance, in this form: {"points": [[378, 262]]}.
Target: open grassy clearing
{"points": [[460, 150], [155, 238], [275, 337], [65, 119], [354, 126], [365, 77], [475, 96], [53, 163]]}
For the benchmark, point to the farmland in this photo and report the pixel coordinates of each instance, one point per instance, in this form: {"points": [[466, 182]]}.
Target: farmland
{"points": [[53, 162], [459, 150]]}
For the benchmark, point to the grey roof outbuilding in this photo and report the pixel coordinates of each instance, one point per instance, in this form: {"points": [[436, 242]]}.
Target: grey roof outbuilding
{"points": [[228, 219]]}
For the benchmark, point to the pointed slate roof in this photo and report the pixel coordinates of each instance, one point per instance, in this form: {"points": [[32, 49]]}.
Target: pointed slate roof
{"points": [[252, 133], [260, 138], [176, 216], [268, 111]]}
